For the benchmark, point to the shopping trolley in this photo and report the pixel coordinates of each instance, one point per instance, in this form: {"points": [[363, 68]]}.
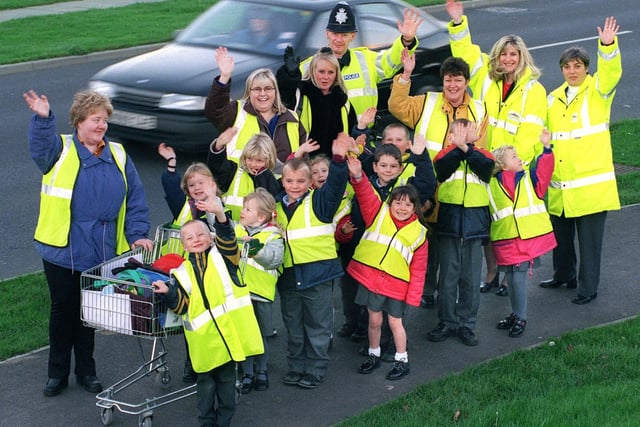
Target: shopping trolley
{"points": [[127, 308]]}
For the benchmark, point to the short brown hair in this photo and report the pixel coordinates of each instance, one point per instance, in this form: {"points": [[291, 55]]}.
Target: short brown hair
{"points": [[86, 103]]}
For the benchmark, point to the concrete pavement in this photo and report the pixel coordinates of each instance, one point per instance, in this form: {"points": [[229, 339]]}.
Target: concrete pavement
{"points": [[344, 392]]}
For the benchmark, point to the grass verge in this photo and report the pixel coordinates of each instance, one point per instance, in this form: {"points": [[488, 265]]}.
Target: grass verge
{"points": [[586, 378], [24, 318]]}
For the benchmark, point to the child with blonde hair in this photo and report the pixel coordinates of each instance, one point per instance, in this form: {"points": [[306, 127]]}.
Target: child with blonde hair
{"points": [[260, 266], [520, 230], [257, 161]]}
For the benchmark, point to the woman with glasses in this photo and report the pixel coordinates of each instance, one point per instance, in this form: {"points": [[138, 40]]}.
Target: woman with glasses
{"points": [[259, 110]]}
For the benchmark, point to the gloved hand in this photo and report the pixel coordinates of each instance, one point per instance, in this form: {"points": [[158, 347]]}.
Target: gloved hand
{"points": [[254, 247], [291, 62]]}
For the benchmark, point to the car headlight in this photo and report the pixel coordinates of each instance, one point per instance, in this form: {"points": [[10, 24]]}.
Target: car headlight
{"points": [[176, 101], [107, 89]]}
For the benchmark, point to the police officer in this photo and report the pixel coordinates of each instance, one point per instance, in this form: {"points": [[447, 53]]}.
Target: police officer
{"points": [[361, 68]]}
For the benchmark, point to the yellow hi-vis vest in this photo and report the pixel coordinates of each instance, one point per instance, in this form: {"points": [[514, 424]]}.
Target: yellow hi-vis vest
{"points": [[366, 69], [525, 217], [248, 126], [386, 248], [261, 282], [434, 127], [307, 238], [305, 115], [464, 188], [233, 199], [584, 180], [520, 119], [228, 330], [54, 220]]}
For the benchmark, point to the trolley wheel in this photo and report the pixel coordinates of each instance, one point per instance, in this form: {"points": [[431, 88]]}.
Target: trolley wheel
{"points": [[163, 378], [146, 421], [106, 416]]}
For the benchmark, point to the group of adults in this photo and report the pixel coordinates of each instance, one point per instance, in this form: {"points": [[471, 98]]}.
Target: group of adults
{"points": [[93, 205]]}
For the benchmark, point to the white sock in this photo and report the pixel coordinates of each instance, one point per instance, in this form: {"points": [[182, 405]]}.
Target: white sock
{"points": [[402, 357], [374, 351]]}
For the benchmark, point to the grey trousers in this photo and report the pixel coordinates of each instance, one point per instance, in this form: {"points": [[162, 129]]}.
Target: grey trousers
{"points": [[590, 230], [308, 316], [460, 272]]}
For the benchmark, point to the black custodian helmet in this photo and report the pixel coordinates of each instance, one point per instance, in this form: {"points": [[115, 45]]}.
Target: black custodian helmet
{"points": [[342, 19]]}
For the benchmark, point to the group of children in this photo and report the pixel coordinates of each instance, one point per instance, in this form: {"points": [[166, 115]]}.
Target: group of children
{"points": [[283, 234]]}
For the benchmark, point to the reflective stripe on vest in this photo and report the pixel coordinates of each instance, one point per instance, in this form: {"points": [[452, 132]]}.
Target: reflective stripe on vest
{"points": [[261, 281], [386, 248], [54, 220], [231, 302], [526, 217], [463, 188], [241, 185], [307, 238], [247, 125]]}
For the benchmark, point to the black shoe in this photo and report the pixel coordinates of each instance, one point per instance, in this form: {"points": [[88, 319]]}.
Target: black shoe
{"points": [[90, 383], [486, 286], [359, 334], [518, 328], [292, 378], [262, 381], [467, 336], [345, 330], [399, 370], [310, 381], [553, 283], [55, 386], [428, 301], [584, 300], [441, 333], [502, 291], [363, 351], [247, 384], [507, 322], [189, 376], [369, 365]]}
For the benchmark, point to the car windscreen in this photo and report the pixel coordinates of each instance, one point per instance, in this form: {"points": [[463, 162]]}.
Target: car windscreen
{"points": [[253, 27]]}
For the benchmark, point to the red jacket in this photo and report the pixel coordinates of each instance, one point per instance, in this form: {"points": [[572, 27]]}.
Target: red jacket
{"points": [[380, 282]]}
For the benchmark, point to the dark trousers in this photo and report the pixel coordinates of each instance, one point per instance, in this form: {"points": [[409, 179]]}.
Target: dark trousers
{"points": [[354, 314], [590, 230], [219, 385], [66, 332], [433, 264]]}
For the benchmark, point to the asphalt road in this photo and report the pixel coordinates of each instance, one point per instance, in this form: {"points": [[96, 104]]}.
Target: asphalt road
{"points": [[547, 27]]}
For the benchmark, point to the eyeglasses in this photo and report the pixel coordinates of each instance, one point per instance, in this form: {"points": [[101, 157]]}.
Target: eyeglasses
{"points": [[267, 89]]}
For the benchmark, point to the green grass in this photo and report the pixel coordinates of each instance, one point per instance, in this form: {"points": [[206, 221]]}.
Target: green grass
{"points": [[625, 139], [16, 4], [24, 318], [586, 378]]}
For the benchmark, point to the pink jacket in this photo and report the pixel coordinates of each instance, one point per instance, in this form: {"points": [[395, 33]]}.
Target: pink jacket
{"points": [[380, 282]]}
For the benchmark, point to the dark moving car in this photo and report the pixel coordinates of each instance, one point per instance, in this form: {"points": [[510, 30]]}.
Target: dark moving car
{"points": [[159, 96]]}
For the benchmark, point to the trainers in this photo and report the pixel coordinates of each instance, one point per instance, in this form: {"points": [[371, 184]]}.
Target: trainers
{"points": [[292, 378], [247, 384], [369, 365], [345, 330], [310, 381], [399, 370], [441, 333], [467, 336]]}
